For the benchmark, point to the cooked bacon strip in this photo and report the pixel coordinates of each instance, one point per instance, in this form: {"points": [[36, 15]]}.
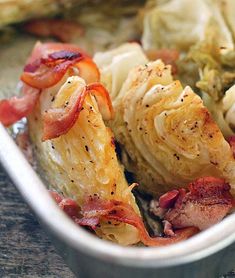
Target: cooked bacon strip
{"points": [[49, 62], [56, 196], [71, 208], [43, 50], [87, 70], [231, 141], [207, 202], [103, 99], [88, 222], [68, 205], [46, 77], [15, 108], [168, 229], [168, 199], [63, 30], [47, 73], [168, 56], [119, 211], [58, 121], [96, 210], [64, 54], [52, 60], [46, 66]]}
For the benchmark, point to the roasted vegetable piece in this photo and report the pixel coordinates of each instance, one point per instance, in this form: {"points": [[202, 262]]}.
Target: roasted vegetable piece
{"points": [[185, 24], [217, 75], [115, 64], [168, 135], [82, 162], [207, 53]]}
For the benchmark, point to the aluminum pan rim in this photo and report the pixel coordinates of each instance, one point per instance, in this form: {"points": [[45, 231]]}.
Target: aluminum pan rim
{"points": [[35, 193]]}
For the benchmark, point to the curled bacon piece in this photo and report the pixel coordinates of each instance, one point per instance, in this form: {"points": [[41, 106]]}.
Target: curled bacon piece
{"points": [[15, 108], [168, 199], [168, 229], [46, 66], [58, 121], [68, 205], [96, 210], [63, 30], [71, 208], [56, 196], [43, 73], [43, 50], [207, 202], [119, 211]]}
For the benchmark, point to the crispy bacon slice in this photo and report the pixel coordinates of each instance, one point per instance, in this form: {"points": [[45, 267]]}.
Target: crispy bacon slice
{"points": [[43, 73], [15, 108], [71, 208], [49, 62], [168, 229], [168, 199], [63, 30], [52, 60], [68, 205], [43, 50], [168, 56], [46, 66], [45, 77], [58, 121], [207, 202], [56, 196], [96, 210], [119, 211]]}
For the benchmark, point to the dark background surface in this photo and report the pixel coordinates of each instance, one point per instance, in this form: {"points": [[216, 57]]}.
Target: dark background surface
{"points": [[25, 249]]}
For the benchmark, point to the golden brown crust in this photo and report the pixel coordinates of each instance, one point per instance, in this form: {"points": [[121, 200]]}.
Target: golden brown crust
{"points": [[168, 135]]}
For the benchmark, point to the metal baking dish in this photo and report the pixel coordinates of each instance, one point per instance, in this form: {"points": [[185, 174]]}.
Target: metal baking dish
{"points": [[208, 254]]}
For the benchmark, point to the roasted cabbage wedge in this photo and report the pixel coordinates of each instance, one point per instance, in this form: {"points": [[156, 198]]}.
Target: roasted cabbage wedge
{"points": [[207, 53], [168, 135], [176, 18], [83, 161]]}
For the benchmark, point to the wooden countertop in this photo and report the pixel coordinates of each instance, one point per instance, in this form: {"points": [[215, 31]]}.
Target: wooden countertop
{"points": [[25, 249]]}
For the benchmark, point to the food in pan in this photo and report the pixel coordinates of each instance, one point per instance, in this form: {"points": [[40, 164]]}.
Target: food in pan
{"points": [[130, 150], [167, 135]]}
